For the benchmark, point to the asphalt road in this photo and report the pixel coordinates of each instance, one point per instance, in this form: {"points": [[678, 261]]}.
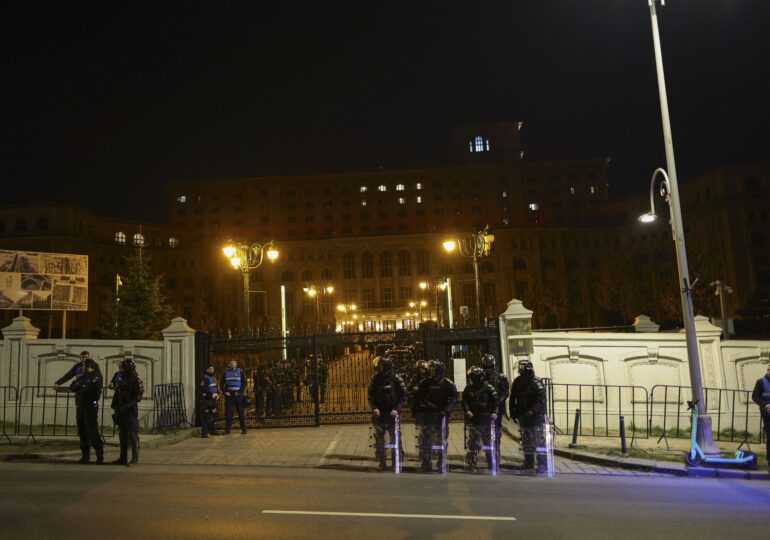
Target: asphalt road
{"points": [[64, 500]]}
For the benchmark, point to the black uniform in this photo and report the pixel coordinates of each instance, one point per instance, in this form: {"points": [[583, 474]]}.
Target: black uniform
{"points": [[78, 372], [481, 400], [528, 408], [233, 382], [208, 391], [387, 393], [761, 396], [432, 405], [500, 382], [125, 403], [88, 391]]}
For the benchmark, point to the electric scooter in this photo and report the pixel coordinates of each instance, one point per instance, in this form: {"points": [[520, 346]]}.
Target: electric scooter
{"points": [[695, 456]]}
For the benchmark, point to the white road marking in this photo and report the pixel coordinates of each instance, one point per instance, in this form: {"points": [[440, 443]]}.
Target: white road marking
{"points": [[404, 516]]}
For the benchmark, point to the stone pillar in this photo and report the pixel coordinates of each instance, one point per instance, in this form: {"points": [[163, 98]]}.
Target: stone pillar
{"points": [[710, 348], [515, 335], [178, 364], [14, 352]]}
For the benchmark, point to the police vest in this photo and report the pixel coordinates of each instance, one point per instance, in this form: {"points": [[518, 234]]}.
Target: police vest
{"points": [[766, 393], [233, 380], [211, 383]]}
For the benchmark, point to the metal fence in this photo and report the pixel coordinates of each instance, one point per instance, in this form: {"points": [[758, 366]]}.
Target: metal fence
{"points": [[170, 412], [10, 396], [600, 406], [734, 416]]}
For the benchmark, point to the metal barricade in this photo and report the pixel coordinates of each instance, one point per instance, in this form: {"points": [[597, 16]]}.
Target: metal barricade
{"points": [[170, 410], [9, 395]]}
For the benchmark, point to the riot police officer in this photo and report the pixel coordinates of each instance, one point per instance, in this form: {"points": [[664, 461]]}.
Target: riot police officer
{"points": [[125, 403], [501, 385], [528, 408], [479, 403], [233, 384], [88, 392], [209, 396], [387, 393], [433, 402], [420, 374], [78, 372]]}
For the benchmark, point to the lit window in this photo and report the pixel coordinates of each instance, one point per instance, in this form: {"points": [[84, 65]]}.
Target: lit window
{"points": [[506, 221], [363, 202], [401, 200], [479, 144], [382, 187], [593, 189], [400, 187], [120, 237], [138, 239], [572, 191], [363, 189], [418, 185], [533, 206], [419, 199], [181, 199], [505, 194], [173, 242]]}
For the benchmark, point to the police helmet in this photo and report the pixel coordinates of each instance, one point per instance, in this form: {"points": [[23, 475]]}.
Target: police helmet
{"points": [[421, 366], [436, 369], [476, 376], [525, 367], [384, 365], [128, 366], [488, 361]]}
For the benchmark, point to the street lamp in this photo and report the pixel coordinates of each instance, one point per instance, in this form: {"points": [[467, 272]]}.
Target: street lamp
{"points": [[419, 305], [475, 246], [345, 309], [670, 191], [440, 285], [247, 257], [315, 292]]}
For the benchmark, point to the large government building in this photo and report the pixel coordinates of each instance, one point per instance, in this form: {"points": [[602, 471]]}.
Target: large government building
{"points": [[561, 244]]}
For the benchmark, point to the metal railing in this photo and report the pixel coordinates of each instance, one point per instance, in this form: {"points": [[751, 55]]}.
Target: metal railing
{"points": [[734, 416], [170, 412], [9, 395]]}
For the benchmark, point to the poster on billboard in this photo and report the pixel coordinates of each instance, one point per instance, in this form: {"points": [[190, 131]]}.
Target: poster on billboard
{"points": [[43, 281]]}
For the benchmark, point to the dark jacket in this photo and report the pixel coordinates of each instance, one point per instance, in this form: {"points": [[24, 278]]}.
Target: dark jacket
{"points": [[128, 394], [761, 394], [527, 403], [481, 399], [435, 396], [88, 389], [76, 371], [387, 393]]}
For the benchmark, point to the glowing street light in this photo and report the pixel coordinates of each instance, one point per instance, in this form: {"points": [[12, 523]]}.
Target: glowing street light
{"points": [[247, 257], [313, 291], [475, 246]]}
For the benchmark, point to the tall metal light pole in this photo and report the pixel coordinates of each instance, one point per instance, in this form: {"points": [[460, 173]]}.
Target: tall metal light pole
{"points": [[247, 257], [440, 285], [672, 196], [475, 246]]}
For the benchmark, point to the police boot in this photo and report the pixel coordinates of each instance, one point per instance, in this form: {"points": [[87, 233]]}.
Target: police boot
{"points": [[134, 450], [84, 458], [470, 462], [489, 460], [100, 456]]}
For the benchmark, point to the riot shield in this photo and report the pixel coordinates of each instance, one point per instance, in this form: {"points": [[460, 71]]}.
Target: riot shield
{"points": [[481, 434], [431, 431], [392, 426], [537, 445]]}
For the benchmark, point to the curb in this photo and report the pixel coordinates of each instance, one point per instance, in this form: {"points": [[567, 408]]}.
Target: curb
{"points": [[171, 438], [649, 465]]}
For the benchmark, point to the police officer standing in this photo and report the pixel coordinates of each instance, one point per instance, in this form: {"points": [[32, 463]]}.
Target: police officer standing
{"points": [[209, 396], [432, 405], [125, 403], [233, 384], [479, 402], [761, 396], [78, 372], [528, 408], [387, 393], [88, 389], [501, 385]]}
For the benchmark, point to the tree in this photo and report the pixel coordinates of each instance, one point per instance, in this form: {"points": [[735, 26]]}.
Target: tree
{"points": [[139, 311]]}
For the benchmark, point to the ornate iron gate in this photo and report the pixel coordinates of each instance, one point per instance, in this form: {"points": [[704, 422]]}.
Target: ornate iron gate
{"points": [[324, 378]]}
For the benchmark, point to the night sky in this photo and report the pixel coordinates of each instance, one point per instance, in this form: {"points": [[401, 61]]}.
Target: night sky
{"points": [[102, 103]]}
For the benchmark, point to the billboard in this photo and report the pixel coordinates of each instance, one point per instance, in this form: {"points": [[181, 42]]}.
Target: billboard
{"points": [[45, 281]]}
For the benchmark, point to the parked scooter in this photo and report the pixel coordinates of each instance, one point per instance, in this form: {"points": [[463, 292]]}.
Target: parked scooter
{"points": [[695, 456]]}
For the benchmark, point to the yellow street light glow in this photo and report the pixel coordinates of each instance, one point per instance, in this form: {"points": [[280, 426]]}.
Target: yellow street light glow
{"points": [[649, 217], [340, 307], [450, 246], [412, 304], [312, 292], [329, 289], [423, 285], [229, 251], [272, 254], [353, 307], [423, 303], [235, 261], [442, 285]]}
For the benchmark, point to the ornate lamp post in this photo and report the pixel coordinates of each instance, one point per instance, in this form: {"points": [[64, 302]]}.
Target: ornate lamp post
{"points": [[474, 246], [247, 257], [344, 309], [440, 285], [315, 292], [419, 305]]}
